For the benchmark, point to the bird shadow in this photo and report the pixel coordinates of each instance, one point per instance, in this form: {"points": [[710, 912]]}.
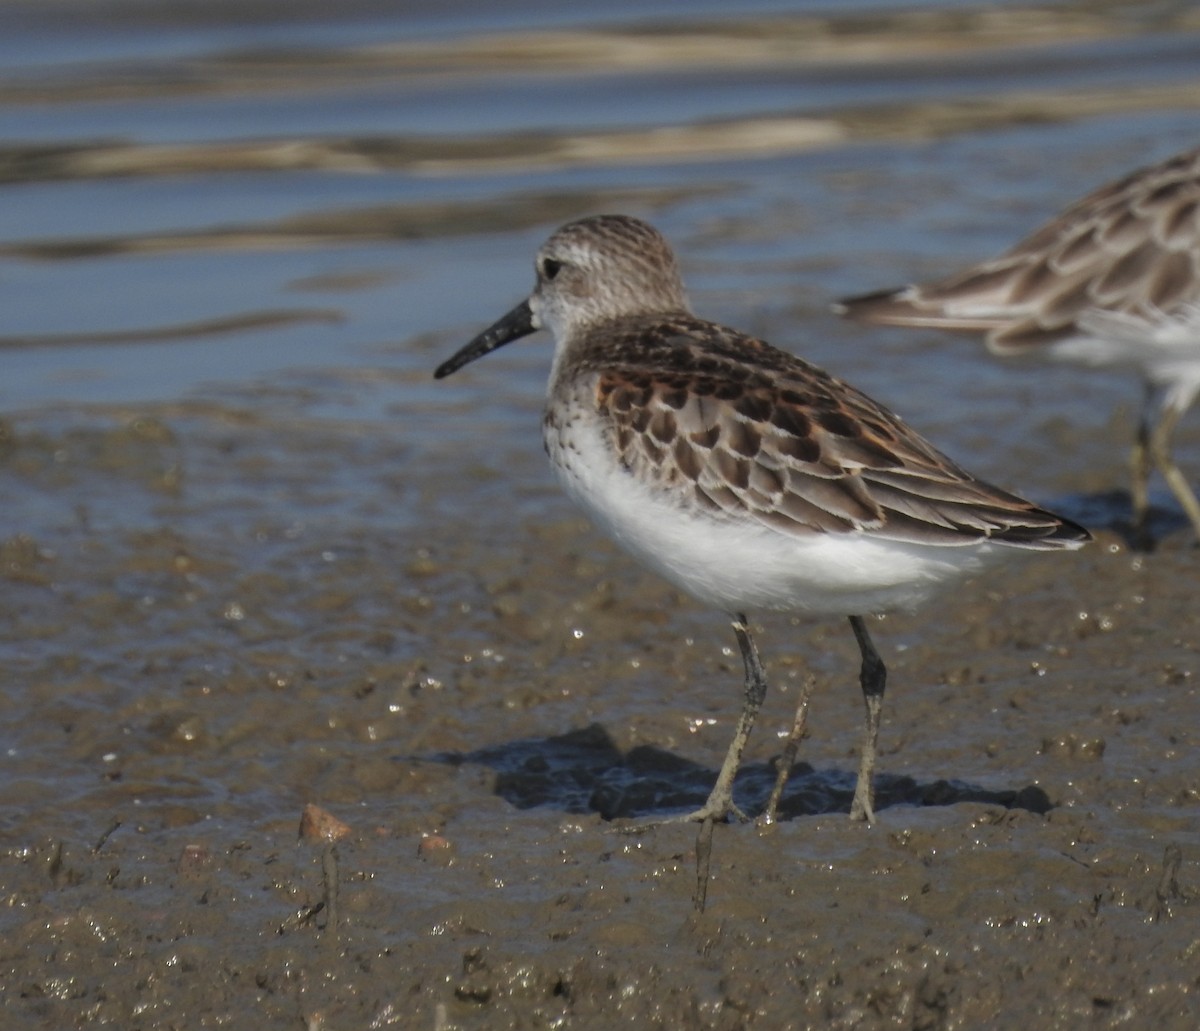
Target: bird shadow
{"points": [[583, 771]]}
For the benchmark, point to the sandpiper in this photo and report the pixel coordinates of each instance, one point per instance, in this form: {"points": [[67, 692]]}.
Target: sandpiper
{"points": [[1111, 282], [747, 477]]}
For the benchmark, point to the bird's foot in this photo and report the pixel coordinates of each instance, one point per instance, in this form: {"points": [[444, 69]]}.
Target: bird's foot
{"points": [[719, 810]]}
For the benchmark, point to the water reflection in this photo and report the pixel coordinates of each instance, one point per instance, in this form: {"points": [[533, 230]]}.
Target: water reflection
{"points": [[172, 171]]}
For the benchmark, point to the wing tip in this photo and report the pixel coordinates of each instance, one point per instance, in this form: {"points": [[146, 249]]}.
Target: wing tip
{"points": [[877, 306]]}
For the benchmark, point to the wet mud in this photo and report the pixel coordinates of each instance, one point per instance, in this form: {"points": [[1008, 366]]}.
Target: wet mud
{"points": [[216, 615]]}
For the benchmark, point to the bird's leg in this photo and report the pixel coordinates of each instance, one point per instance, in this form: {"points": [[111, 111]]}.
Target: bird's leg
{"points": [[873, 678], [720, 799], [789, 754], [1139, 487], [1160, 451]]}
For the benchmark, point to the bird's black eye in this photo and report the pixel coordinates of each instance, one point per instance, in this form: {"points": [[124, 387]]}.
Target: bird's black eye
{"points": [[550, 268]]}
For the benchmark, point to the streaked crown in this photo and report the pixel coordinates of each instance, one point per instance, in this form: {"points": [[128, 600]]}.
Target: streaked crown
{"points": [[601, 268]]}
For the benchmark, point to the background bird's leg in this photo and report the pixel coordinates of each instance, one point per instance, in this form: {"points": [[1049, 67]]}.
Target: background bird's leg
{"points": [[1139, 462], [1160, 450]]}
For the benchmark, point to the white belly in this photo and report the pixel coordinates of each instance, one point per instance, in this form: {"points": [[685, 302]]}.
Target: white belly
{"points": [[747, 566], [1164, 348]]}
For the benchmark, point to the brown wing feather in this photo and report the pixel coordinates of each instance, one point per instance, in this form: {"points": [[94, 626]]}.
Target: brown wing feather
{"points": [[738, 428]]}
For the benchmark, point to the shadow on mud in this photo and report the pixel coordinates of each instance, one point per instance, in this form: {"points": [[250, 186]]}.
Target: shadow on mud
{"points": [[583, 771]]}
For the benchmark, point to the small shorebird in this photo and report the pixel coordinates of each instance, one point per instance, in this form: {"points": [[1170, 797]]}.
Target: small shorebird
{"points": [[1111, 282], [747, 477]]}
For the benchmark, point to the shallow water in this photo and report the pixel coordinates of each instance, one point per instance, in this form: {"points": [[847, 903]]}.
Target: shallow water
{"points": [[253, 556]]}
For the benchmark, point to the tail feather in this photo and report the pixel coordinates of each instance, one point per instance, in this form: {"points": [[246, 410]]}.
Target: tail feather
{"points": [[905, 307]]}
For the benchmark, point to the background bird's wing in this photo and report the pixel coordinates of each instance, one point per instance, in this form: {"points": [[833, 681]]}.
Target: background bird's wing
{"points": [[1129, 246]]}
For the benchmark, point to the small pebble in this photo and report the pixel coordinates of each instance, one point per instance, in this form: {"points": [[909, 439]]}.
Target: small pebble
{"points": [[317, 824]]}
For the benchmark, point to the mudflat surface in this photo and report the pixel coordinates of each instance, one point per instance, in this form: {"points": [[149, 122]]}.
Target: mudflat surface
{"points": [[253, 559], [471, 700]]}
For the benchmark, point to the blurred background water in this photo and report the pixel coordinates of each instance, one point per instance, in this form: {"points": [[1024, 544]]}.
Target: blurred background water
{"points": [[199, 199]]}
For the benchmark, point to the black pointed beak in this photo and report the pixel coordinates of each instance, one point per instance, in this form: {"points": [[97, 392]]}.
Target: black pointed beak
{"points": [[516, 324]]}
